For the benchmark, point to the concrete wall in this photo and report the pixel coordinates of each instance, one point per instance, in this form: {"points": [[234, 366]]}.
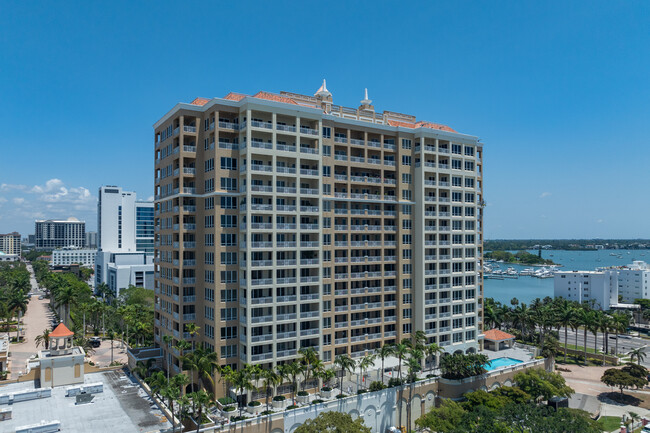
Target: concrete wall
{"points": [[62, 370]]}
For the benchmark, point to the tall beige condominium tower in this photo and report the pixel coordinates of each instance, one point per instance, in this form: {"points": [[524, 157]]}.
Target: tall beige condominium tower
{"points": [[285, 221]]}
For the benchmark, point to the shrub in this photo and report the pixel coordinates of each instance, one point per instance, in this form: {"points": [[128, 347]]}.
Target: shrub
{"points": [[229, 408], [254, 404], [393, 381], [316, 401], [362, 391], [302, 393], [340, 396], [326, 389], [279, 398], [237, 418], [226, 400], [376, 386], [267, 412], [293, 406], [429, 376]]}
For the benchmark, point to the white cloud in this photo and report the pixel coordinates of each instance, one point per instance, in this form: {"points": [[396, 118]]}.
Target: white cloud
{"points": [[50, 200], [544, 194], [600, 221]]}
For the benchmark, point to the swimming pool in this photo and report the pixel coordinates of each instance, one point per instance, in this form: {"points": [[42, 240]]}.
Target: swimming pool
{"points": [[501, 362]]}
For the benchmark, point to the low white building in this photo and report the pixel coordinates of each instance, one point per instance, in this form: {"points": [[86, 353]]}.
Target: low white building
{"points": [[633, 281], [8, 257], [121, 270], [73, 255], [593, 287], [605, 285]]}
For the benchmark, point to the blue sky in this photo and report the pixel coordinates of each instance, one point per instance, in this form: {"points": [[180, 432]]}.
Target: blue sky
{"points": [[558, 92]]}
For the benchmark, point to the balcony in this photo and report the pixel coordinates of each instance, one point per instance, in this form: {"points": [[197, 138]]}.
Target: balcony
{"points": [[261, 357], [341, 341], [314, 331], [290, 316], [283, 335], [286, 280], [190, 129], [261, 319], [291, 298], [291, 244], [285, 353], [189, 298], [341, 325], [261, 281], [262, 145], [189, 244], [262, 337], [264, 125], [287, 128], [189, 317], [287, 262], [304, 314], [308, 131]]}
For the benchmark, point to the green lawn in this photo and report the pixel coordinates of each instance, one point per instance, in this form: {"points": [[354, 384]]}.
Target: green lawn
{"points": [[609, 423]]}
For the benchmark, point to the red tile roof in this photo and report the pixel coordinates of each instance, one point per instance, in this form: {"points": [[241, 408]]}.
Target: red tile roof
{"points": [[420, 124], [497, 335], [235, 96], [273, 97], [200, 101], [61, 331]]}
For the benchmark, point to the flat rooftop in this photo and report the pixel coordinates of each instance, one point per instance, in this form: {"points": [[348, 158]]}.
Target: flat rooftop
{"points": [[123, 407]]}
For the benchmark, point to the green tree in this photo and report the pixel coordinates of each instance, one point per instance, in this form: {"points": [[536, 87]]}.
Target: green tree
{"points": [[346, 364], [638, 354], [444, 418], [541, 384], [384, 352], [337, 422], [43, 339]]}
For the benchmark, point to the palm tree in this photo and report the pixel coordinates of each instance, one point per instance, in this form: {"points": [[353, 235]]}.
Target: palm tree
{"points": [[16, 303], [401, 349], [637, 353], [65, 297], [168, 340], [418, 339], [433, 350], [594, 327], [201, 401], [384, 352], [346, 364], [157, 382], [111, 336], [565, 317], [240, 379], [621, 322], [364, 364], [294, 370], [327, 375], [414, 365], [193, 330], [586, 319], [44, 339], [171, 394], [205, 362], [269, 379], [309, 357]]}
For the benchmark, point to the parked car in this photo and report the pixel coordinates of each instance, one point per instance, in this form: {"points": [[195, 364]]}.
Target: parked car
{"points": [[41, 297], [95, 341]]}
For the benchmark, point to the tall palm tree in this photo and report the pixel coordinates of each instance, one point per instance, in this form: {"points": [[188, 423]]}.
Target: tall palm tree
{"points": [[309, 357], [193, 330], [269, 379], [168, 340], [205, 362], [621, 323], [364, 364], [240, 379], [346, 364], [294, 370], [384, 352], [565, 317], [171, 393], [16, 303], [586, 318], [201, 401], [401, 350], [433, 350], [413, 365], [419, 339], [594, 327], [64, 298]]}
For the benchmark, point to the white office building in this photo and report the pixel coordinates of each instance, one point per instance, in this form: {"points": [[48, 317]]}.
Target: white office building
{"points": [[592, 287], [74, 255], [604, 286], [125, 240]]}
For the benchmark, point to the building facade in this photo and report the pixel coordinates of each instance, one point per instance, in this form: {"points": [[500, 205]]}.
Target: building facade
{"points": [[144, 227], [591, 287], [633, 282], [53, 234], [10, 243], [285, 221], [125, 237], [91, 240], [71, 256]]}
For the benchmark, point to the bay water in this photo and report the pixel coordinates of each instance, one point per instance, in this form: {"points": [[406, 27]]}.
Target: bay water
{"points": [[527, 288]]}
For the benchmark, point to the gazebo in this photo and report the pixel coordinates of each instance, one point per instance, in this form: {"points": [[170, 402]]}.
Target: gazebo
{"points": [[495, 340], [62, 363]]}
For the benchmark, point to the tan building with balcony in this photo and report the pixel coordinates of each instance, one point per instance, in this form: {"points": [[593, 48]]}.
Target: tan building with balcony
{"points": [[10, 243], [285, 221]]}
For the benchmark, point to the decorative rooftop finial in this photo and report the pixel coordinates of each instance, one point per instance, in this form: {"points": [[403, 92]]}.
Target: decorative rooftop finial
{"points": [[322, 90], [365, 100]]}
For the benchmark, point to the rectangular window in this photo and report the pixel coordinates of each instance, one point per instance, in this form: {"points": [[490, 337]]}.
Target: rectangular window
{"points": [[228, 314], [406, 160], [209, 239], [228, 221], [209, 165], [208, 294], [209, 185], [228, 163], [407, 224], [228, 184], [229, 295], [208, 203], [228, 239], [406, 143], [209, 258], [406, 178], [327, 132], [209, 221], [228, 332], [406, 194], [228, 258], [228, 202]]}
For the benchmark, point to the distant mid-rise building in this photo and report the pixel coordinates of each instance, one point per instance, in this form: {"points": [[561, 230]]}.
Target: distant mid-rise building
{"points": [[125, 239], [144, 223], [91, 240], [605, 287], [53, 234], [10, 243], [72, 255]]}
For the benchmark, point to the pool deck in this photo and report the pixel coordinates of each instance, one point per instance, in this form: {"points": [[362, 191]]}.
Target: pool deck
{"points": [[513, 352]]}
